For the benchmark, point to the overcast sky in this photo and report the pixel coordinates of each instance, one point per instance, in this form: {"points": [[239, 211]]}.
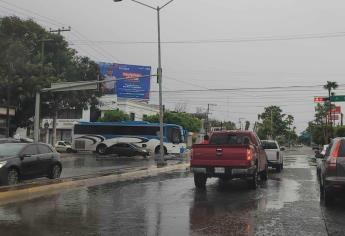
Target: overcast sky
{"points": [[244, 60]]}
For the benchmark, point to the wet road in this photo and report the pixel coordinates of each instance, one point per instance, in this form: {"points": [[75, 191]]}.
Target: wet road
{"points": [[288, 204]]}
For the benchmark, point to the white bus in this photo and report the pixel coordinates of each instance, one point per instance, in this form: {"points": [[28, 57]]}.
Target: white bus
{"points": [[98, 136]]}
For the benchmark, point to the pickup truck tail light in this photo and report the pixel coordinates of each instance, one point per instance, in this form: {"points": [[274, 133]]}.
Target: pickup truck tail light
{"points": [[249, 154], [332, 160]]}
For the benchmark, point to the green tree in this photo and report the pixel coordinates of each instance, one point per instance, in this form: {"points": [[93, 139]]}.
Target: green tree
{"points": [[114, 116], [23, 73], [340, 131], [276, 124], [186, 120]]}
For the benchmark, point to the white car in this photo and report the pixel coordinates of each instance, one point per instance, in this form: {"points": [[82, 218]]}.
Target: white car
{"points": [[274, 154], [63, 146]]}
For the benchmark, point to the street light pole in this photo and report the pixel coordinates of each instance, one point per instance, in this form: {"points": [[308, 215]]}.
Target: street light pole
{"points": [[161, 161]]}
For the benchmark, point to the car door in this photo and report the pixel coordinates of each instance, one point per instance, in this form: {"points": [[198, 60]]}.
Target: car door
{"points": [[129, 150], [45, 157], [30, 165]]}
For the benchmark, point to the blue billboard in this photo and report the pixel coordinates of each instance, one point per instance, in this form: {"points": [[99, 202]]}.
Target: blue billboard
{"points": [[126, 81]]}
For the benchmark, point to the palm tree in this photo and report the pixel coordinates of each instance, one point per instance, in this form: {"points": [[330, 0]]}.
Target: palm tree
{"points": [[329, 86]]}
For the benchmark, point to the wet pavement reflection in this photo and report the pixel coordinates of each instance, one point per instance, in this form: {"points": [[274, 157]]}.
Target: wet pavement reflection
{"points": [[288, 204]]}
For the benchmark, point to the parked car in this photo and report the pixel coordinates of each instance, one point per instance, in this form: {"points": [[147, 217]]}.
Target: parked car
{"points": [[332, 176], [319, 156], [274, 154], [127, 149], [19, 161], [229, 155], [64, 146]]}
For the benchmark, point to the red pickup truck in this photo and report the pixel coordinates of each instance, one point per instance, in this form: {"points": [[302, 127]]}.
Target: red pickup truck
{"points": [[228, 155]]}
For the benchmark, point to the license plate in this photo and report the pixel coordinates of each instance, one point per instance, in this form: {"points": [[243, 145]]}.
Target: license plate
{"points": [[238, 171], [199, 170], [219, 170]]}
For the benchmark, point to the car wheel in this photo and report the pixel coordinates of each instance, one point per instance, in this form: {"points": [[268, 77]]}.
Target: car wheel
{"points": [[101, 149], [69, 150], [264, 174], [327, 197], [55, 172], [157, 150], [12, 177], [200, 181], [253, 182]]}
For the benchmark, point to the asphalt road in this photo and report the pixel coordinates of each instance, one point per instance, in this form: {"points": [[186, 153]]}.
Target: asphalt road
{"points": [[288, 204]]}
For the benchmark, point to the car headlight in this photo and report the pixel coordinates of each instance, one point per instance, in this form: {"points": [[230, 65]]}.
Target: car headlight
{"points": [[2, 163]]}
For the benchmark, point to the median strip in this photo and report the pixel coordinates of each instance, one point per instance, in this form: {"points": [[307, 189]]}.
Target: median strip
{"points": [[26, 192]]}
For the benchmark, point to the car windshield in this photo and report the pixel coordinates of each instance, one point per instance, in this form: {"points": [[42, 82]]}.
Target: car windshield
{"points": [[269, 145], [67, 143], [10, 149]]}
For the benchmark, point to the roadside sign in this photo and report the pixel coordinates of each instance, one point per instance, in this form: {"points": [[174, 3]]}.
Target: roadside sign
{"points": [[336, 110], [334, 117], [320, 99], [338, 98]]}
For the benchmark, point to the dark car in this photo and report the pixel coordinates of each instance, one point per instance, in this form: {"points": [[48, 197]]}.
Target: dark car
{"points": [[127, 149], [20, 161], [332, 170]]}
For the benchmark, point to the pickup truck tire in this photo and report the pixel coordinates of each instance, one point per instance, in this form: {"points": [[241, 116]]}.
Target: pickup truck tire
{"points": [[253, 182], [200, 181], [279, 168], [264, 174]]}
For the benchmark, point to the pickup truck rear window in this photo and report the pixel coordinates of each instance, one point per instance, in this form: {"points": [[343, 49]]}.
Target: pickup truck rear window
{"points": [[229, 139], [269, 145]]}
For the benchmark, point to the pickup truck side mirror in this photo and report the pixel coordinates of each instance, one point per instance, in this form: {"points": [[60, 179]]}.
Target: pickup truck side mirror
{"points": [[282, 149]]}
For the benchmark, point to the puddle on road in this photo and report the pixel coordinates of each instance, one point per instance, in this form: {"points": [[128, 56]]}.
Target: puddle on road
{"points": [[279, 192]]}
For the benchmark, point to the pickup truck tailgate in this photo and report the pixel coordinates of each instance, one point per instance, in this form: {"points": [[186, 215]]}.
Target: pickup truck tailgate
{"points": [[272, 154], [224, 155]]}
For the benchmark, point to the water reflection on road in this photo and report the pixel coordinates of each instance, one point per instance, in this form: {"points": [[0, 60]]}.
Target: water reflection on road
{"points": [[288, 204]]}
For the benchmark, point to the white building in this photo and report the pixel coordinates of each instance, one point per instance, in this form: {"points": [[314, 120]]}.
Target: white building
{"points": [[136, 109]]}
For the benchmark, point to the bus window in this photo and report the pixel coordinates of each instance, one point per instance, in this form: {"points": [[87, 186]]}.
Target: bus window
{"points": [[174, 135]]}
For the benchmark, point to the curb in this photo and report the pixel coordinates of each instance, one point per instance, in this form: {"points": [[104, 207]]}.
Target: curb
{"points": [[39, 191]]}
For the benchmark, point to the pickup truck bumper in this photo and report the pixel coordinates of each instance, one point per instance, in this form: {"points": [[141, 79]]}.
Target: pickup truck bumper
{"points": [[227, 172]]}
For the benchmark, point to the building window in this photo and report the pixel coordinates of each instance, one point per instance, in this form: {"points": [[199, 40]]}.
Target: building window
{"points": [[132, 116]]}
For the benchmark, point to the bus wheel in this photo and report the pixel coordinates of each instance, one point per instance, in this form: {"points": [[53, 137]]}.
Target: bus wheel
{"points": [[101, 149], [157, 150]]}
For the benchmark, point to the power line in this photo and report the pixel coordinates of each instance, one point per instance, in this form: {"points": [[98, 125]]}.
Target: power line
{"points": [[269, 88], [229, 40]]}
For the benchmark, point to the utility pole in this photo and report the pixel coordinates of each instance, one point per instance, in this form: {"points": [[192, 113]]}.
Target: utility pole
{"points": [[55, 115], [271, 124], [341, 117], [207, 125], [8, 103]]}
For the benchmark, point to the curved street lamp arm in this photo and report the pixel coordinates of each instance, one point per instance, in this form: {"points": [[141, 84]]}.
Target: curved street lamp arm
{"points": [[146, 5], [166, 4]]}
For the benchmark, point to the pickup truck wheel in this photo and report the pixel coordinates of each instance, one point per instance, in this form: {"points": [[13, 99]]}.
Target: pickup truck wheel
{"points": [[200, 180], [279, 168], [253, 182], [264, 174]]}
